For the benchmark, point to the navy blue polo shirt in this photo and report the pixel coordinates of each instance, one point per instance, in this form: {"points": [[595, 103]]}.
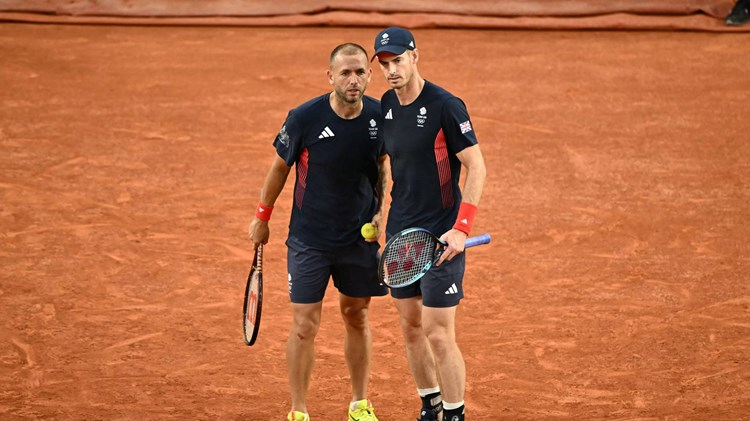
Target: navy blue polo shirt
{"points": [[337, 171], [422, 140]]}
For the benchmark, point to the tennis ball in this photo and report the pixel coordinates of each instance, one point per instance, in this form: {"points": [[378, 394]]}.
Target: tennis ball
{"points": [[369, 231]]}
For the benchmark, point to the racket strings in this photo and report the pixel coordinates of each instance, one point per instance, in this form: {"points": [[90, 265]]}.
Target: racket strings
{"points": [[408, 256]]}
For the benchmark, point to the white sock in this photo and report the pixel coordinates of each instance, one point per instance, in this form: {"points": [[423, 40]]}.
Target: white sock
{"points": [[425, 392], [353, 405], [450, 406]]}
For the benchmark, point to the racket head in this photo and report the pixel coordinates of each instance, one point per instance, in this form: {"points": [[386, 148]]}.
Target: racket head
{"points": [[407, 256], [253, 299]]}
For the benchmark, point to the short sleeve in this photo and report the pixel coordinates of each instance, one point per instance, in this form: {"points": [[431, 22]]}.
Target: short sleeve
{"points": [[459, 133], [288, 142], [381, 139]]}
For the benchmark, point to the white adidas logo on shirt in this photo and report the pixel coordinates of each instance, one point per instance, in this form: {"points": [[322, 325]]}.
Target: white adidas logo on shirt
{"points": [[327, 132], [389, 114], [452, 290]]}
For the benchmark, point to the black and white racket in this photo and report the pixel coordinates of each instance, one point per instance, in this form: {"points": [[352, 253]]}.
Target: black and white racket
{"points": [[409, 254], [253, 299]]}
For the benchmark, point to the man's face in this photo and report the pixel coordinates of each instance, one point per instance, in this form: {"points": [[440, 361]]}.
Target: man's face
{"points": [[349, 75], [398, 69]]}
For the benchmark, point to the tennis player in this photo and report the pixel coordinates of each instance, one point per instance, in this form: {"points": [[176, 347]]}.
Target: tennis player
{"points": [[429, 137], [335, 142]]}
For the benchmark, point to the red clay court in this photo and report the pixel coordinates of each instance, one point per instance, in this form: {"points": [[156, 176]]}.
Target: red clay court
{"points": [[615, 288]]}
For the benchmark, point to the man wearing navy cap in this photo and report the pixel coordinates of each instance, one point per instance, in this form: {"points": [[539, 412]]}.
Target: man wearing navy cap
{"points": [[429, 137]]}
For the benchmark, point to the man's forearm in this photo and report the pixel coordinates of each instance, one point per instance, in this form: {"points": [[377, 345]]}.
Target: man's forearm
{"points": [[384, 172], [274, 182], [476, 172]]}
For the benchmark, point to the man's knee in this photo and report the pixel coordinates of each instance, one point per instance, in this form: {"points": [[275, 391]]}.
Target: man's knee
{"points": [[412, 329], [441, 340], [305, 325], [354, 313]]}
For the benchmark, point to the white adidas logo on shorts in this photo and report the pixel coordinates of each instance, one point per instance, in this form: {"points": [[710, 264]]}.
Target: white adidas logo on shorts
{"points": [[452, 290]]}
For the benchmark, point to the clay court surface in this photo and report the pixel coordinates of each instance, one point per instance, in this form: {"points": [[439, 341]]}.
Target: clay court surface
{"points": [[616, 286]]}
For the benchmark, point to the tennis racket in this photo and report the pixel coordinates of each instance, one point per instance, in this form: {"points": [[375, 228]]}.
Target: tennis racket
{"points": [[409, 254], [253, 299]]}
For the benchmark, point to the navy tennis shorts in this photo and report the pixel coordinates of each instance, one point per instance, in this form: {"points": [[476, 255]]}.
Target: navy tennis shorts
{"points": [[354, 270], [441, 286]]}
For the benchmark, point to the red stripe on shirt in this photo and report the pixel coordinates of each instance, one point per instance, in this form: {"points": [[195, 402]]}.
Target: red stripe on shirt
{"points": [[444, 169], [302, 167]]}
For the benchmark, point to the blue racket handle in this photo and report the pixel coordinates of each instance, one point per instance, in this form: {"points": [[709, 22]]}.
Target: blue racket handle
{"points": [[477, 241]]}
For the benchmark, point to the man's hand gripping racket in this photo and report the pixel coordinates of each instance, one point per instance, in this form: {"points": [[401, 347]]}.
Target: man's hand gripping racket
{"points": [[253, 299], [409, 254]]}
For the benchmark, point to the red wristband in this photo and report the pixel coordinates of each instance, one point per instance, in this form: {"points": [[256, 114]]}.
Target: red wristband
{"points": [[465, 217], [263, 212]]}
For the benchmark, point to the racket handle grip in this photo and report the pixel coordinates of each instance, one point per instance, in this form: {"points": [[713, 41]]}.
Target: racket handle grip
{"points": [[478, 240]]}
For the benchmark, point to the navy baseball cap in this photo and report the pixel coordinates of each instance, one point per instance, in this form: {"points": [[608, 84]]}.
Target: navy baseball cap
{"points": [[394, 40]]}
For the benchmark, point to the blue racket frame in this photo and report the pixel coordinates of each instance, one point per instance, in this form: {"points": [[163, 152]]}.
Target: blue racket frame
{"points": [[384, 258]]}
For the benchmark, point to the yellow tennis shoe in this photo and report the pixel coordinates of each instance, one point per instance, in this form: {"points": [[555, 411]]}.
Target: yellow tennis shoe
{"points": [[297, 416], [362, 411]]}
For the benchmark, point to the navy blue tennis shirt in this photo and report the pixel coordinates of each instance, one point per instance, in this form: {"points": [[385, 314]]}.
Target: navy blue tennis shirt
{"points": [[337, 171], [422, 140]]}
